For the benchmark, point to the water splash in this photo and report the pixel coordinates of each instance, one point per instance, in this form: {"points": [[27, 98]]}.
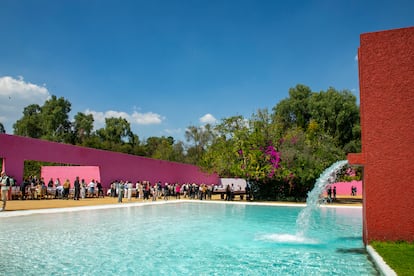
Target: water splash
{"points": [[287, 239], [312, 202]]}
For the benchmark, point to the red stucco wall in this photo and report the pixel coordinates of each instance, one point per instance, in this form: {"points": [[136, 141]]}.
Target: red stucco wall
{"points": [[386, 75], [112, 165]]}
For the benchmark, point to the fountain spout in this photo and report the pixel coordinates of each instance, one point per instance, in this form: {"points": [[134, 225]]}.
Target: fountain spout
{"points": [[312, 202]]}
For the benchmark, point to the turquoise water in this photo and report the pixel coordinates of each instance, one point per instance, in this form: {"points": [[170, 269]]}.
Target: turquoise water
{"points": [[186, 238]]}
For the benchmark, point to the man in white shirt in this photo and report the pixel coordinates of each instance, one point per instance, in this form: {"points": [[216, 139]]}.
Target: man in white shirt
{"points": [[5, 185], [91, 188]]}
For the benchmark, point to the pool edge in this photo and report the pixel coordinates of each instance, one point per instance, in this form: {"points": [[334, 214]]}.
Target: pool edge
{"points": [[158, 202], [382, 266]]}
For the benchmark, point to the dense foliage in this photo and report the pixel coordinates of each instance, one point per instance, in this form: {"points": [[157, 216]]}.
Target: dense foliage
{"points": [[281, 152]]}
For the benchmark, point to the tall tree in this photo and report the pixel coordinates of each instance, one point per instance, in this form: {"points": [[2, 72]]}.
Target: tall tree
{"points": [[116, 134], [50, 121], [335, 112], [294, 111], [200, 137], [55, 119], [178, 154], [164, 148], [30, 124], [82, 127]]}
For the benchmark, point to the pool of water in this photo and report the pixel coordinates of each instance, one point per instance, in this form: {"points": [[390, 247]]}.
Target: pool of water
{"points": [[184, 238]]}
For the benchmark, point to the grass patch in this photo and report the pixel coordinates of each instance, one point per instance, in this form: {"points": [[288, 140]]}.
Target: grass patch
{"points": [[398, 255]]}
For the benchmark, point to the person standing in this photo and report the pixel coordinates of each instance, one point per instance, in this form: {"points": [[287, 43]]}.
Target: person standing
{"points": [[177, 191], [100, 189], [66, 189], [50, 183], [129, 190], [58, 188], [23, 186], [154, 191], [5, 185], [247, 189], [330, 194], [120, 191], [125, 189], [137, 190], [113, 189], [83, 189], [77, 187], [228, 192], [91, 187], [145, 190]]}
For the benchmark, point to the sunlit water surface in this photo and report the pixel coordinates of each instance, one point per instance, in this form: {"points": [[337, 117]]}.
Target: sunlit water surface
{"points": [[185, 239]]}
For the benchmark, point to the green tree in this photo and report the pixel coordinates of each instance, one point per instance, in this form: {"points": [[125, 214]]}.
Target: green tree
{"points": [[337, 113], [116, 131], [136, 146], [283, 153], [116, 135], [200, 138], [238, 148], [178, 152], [164, 148], [294, 111], [82, 127], [151, 145], [220, 157], [49, 122], [334, 112], [55, 122], [2, 129], [30, 124], [304, 159]]}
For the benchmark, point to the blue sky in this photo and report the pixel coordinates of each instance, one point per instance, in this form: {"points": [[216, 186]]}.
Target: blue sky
{"points": [[166, 65]]}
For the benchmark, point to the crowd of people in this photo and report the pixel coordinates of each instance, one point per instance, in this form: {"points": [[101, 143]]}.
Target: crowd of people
{"points": [[146, 191], [36, 188]]}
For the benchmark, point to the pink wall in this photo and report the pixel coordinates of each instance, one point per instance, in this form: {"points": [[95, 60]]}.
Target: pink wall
{"points": [[70, 172], [15, 149], [344, 188]]}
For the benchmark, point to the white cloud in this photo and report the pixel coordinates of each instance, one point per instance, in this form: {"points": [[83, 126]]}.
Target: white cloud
{"points": [[208, 119], [356, 57], [15, 95], [173, 131], [148, 118], [136, 118]]}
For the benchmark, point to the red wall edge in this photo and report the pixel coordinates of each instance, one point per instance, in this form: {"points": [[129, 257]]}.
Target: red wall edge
{"points": [[386, 75]]}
